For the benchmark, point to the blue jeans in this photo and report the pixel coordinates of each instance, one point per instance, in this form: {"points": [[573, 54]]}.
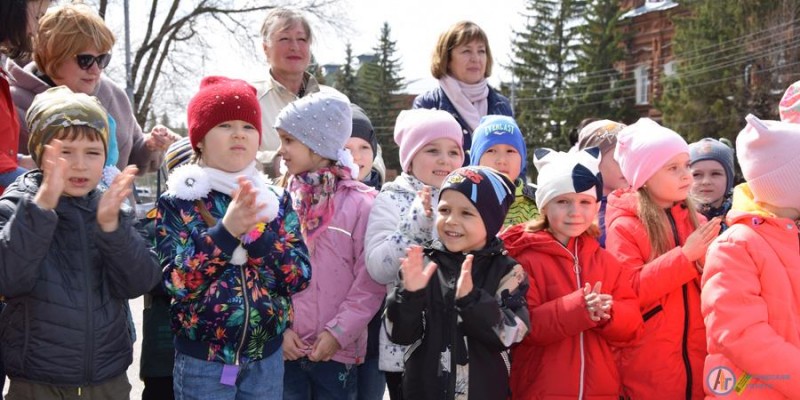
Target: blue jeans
{"points": [[371, 380], [195, 379], [307, 380], [8, 177]]}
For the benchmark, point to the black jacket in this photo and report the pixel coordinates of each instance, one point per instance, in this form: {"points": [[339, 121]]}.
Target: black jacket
{"points": [[436, 100], [66, 283], [438, 325]]}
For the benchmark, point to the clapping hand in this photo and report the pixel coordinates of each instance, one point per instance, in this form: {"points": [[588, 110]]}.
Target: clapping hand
{"points": [[425, 195], [598, 304], [415, 277], [111, 202], [242, 214], [54, 168]]}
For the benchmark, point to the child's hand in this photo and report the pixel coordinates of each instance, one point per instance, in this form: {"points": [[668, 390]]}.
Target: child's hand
{"points": [[598, 304], [110, 203], [293, 347], [54, 167], [464, 285], [697, 243], [242, 214], [414, 276], [324, 348], [425, 196]]}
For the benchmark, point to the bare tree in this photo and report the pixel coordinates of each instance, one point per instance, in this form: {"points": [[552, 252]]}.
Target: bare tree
{"points": [[176, 36]]}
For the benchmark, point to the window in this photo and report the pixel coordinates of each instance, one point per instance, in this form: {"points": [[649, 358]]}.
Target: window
{"points": [[642, 76], [670, 68]]}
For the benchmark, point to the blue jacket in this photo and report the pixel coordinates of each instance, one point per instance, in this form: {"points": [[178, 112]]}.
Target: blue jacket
{"points": [[66, 284], [437, 100]]}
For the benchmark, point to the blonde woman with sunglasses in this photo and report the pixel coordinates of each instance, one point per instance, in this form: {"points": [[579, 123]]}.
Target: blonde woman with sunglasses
{"points": [[72, 48]]}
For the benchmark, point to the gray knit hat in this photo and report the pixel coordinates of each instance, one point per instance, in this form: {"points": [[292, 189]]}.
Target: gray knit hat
{"points": [[322, 121], [713, 149]]}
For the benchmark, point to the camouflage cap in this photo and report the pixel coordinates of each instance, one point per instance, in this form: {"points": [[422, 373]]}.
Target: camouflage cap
{"points": [[58, 108]]}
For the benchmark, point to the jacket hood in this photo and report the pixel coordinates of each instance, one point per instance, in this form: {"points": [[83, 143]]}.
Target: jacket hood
{"points": [[518, 241], [622, 203], [24, 79]]}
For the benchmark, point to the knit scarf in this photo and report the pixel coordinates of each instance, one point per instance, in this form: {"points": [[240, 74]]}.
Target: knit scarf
{"points": [[312, 198], [470, 100]]}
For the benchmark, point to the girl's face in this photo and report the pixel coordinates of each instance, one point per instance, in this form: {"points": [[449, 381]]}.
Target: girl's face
{"points": [[710, 181], [436, 160], [288, 51], [77, 79], [230, 146], [362, 155], [459, 223], [672, 182], [504, 158], [612, 174], [297, 157], [570, 215], [468, 62]]}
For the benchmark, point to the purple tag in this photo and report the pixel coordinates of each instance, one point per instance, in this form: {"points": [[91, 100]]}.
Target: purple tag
{"points": [[229, 373]]}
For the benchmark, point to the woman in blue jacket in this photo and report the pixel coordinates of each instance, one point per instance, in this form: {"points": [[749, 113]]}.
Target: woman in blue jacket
{"points": [[461, 62]]}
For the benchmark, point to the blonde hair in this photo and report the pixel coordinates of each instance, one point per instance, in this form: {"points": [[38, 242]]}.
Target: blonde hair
{"points": [[463, 32], [541, 223], [656, 224], [280, 19], [66, 31]]}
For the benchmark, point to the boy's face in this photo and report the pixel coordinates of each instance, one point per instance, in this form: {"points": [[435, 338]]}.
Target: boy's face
{"points": [[362, 155], [436, 160], [710, 181], [230, 146], [85, 161], [297, 157], [570, 214], [503, 158], [459, 224]]}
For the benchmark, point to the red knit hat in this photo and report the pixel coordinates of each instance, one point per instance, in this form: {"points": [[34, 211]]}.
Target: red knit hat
{"points": [[221, 99]]}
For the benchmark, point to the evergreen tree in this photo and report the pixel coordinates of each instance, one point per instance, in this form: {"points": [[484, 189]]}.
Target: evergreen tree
{"points": [[346, 77], [543, 64], [379, 83], [730, 64], [600, 90]]}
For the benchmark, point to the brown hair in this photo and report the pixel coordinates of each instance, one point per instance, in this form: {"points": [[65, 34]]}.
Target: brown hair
{"points": [[656, 224], [66, 31], [14, 21], [279, 19], [463, 32]]}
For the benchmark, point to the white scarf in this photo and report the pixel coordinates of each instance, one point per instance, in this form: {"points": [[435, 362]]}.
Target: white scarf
{"points": [[470, 100]]}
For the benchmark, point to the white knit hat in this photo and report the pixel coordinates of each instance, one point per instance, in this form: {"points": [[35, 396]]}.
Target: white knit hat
{"points": [[561, 173]]}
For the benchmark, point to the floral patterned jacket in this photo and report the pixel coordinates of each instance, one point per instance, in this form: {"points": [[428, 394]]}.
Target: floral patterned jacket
{"points": [[222, 311]]}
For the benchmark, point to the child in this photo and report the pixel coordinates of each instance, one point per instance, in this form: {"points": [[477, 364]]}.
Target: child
{"points": [[430, 148], [603, 135], [659, 238], [328, 338], [467, 306], [231, 251], [70, 259], [498, 143], [712, 173], [576, 287], [363, 145], [750, 294]]}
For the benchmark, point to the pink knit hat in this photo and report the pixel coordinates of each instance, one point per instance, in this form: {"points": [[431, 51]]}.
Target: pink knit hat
{"points": [[789, 106], [767, 153], [416, 128], [644, 147]]}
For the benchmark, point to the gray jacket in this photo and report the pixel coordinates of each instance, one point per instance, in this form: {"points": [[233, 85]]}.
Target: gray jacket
{"points": [[66, 283]]}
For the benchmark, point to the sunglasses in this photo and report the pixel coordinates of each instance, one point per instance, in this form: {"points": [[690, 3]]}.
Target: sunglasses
{"points": [[85, 61]]}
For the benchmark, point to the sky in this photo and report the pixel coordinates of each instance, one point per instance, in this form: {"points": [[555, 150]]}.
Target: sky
{"points": [[415, 25]]}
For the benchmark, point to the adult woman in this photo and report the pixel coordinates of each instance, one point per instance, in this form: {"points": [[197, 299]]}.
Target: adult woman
{"points": [[461, 62], [19, 20], [287, 41], [72, 49]]}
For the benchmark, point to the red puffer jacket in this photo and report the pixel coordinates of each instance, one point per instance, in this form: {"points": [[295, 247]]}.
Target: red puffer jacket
{"points": [[667, 361], [566, 354]]}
